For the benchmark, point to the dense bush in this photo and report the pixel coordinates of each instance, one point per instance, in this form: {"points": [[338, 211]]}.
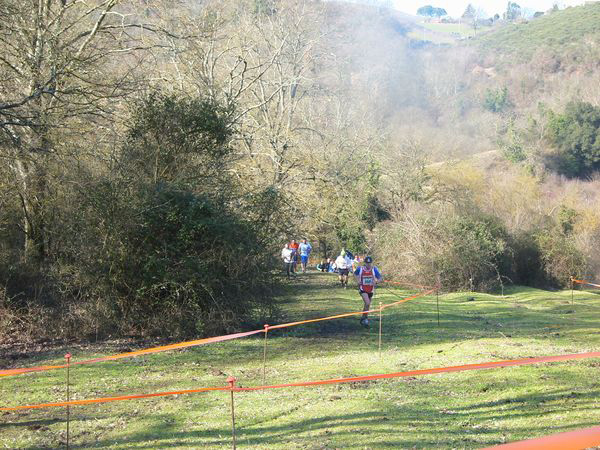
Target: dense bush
{"points": [[181, 259], [496, 100], [464, 250], [477, 252], [575, 135], [471, 250], [560, 258], [162, 242], [179, 263]]}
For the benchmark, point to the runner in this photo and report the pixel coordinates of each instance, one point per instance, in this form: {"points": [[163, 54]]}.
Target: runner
{"points": [[287, 255], [305, 249], [294, 247], [367, 277], [343, 264]]}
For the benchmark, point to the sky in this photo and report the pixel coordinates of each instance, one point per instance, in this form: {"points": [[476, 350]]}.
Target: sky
{"points": [[455, 8]]}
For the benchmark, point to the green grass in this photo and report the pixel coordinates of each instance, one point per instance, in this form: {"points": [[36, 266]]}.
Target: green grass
{"points": [[557, 32], [454, 410], [461, 29], [444, 33]]}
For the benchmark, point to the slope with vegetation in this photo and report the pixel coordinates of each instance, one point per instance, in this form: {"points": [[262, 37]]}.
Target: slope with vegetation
{"points": [[562, 32], [153, 173]]}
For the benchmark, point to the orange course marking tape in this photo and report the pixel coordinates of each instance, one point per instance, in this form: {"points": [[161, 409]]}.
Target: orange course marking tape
{"points": [[585, 282], [180, 345], [113, 399], [571, 440], [488, 365], [466, 367], [8, 372]]}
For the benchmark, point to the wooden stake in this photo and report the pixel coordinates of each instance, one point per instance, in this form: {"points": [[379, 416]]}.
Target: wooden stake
{"points": [[68, 358], [380, 324], [437, 301], [437, 297], [265, 353], [97, 318], [231, 382], [571, 291]]}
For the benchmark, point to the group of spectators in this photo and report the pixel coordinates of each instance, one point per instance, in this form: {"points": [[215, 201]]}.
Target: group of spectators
{"points": [[332, 265], [292, 251]]}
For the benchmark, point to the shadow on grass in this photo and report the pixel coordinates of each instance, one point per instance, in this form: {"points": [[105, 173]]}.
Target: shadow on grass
{"points": [[490, 410], [400, 427], [32, 424]]}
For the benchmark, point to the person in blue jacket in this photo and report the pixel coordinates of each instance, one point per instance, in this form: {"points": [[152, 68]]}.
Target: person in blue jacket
{"points": [[304, 249]]}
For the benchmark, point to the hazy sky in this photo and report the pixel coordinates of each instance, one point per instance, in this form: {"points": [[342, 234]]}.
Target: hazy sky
{"points": [[457, 7]]}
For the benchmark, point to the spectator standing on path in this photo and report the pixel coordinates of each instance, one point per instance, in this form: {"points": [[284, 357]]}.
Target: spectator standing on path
{"points": [[294, 247], [355, 263], [305, 249], [367, 277], [287, 255], [343, 264]]}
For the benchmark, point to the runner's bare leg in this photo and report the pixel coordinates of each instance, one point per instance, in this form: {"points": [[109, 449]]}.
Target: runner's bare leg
{"points": [[367, 306]]}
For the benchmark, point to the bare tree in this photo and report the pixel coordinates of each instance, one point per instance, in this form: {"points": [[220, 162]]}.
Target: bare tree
{"points": [[59, 72], [265, 62]]}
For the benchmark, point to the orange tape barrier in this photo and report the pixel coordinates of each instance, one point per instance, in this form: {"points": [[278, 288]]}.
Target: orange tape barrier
{"points": [[114, 399], [584, 282], [488, 365], [11, 372], [571, 440]]}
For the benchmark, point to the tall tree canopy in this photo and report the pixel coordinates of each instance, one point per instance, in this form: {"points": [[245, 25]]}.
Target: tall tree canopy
{"points": [[431, 11]]}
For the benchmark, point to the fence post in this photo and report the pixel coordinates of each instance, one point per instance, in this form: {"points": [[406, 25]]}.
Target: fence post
{"points": [[68, 358], [265, 352], [437, 302], [571, 291], [231, 381], [380, 325], [437, 298]]}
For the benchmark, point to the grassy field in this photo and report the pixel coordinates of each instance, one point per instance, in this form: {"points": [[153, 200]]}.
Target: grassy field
{"points": [[458, 29], [456, 410], [444, 33]]}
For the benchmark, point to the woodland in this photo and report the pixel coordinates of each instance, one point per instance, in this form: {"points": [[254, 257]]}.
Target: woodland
{"points": [[155, 156]]}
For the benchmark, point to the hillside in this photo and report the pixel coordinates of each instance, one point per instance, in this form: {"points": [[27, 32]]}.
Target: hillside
{"points": [[332, 117], [558, 31]]}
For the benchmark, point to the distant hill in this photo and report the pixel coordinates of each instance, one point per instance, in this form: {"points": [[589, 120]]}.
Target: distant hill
{"points": [[556, 31]]}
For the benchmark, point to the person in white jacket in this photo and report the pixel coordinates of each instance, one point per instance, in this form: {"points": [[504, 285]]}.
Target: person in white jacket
{"points": [[287, 254], [343, 264]]}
